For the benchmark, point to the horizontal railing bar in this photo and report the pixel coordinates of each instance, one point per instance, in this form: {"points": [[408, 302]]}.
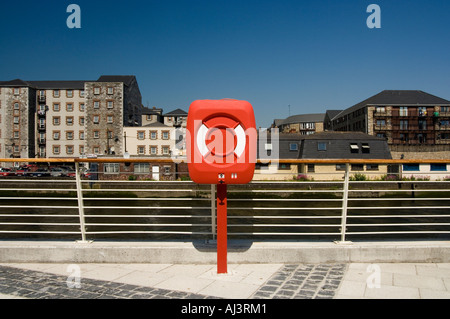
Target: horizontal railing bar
{"points": [[399, 207], [399, 224], [146, 232], [398, 190], [37, 232], [398, 199], [284, 200], [145, 216], [146, 199], [42, 224], [38, 198], [145, 207], [399, 232], [282, 234], [135, 190], [286, 190], [36, 215], [37, 207], [150, 225], [284, 208], [40, 189], [284, 225], [285, 217]]}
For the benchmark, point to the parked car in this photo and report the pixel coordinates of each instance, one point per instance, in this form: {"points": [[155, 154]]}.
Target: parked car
{"points": [[57, 172], [22, 171], [40, 172], [71, 174], [6, 172]]}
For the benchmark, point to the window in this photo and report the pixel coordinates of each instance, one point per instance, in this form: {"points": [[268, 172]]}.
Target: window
{"points": [[111, 168], [372, 167], [16, 120], [69, 135], [96, 104], [16, 134], [381, 109], [293, 146], [365, 148], [357, 167], [96, 119], [153, 135], [96, 134], [141, 149], [82, 107], [96, 90], [110, 90], [354, 148], [69, 149], [56, 149], [165, 150], [141, 168], [69, 93], [16, 106], [153, 150], [96, 149], [110, 104], [69, 120], [411, 167], [438, 167], [81, 134], [284, 166], [381, 122], [311, 168], [445, 109], [403, 124], [141, 135], [110, 119], [81, 150], [149, 117], [422, 124], [56, 107], [69, 107], [340, 167], [422, 111], [16, 91], [321, 146], [56, 93], [81, 93], [81, 120], [165, 135], [56, 135], [403, 111]]}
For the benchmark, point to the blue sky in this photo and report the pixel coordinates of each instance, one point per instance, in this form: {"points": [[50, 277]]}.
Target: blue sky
{"points": [[311, 55]]}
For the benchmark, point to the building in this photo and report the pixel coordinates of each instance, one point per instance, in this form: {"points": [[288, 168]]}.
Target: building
{"points": [[52, 119], [150, 116], [303, 124], [324, 145], [415, 124]]}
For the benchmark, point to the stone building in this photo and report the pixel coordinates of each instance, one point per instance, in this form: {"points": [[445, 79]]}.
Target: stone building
{"points": [[303, 124], [53, 119]]}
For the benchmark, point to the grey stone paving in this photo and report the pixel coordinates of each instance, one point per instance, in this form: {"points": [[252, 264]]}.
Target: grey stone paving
{"points": [[40, 285], [303, 282], [290, 282]]}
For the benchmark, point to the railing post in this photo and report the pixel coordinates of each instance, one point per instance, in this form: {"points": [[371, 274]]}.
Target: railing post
{"points": [[344, 205], [213, 210], [80, 202]]}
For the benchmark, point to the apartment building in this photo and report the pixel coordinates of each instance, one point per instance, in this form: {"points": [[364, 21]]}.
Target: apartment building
{"points": [[54, 119], [414, 123]]}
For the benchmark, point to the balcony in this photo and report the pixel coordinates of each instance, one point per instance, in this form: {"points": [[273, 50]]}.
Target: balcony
{"points": [[42, 127], [41, 141], [41, 113], [42, 99]]}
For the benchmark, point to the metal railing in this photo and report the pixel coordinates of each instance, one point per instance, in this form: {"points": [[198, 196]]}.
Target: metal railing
{"points": [[342, 209]]}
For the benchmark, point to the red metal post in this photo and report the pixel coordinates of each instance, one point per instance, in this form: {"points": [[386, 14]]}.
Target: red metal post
{"points": [[222, 228]]}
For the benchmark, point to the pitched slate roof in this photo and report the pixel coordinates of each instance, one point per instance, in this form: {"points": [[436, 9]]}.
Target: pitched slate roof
{"points": [[126, 79], [16, 82], [177, 112], [58, 85], [397, 97], [301, 118]]}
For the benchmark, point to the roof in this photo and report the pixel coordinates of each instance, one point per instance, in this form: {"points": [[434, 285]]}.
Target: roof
{"points": [[125, 79], [302, 118], [398, 97], [58, 85], [338, 135], [156, 124], [177, 112], [153, 111], [16, 82], [332, 113]]}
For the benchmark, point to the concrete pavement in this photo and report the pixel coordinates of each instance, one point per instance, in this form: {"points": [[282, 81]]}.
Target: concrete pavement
{"points": [[244, 281]]}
